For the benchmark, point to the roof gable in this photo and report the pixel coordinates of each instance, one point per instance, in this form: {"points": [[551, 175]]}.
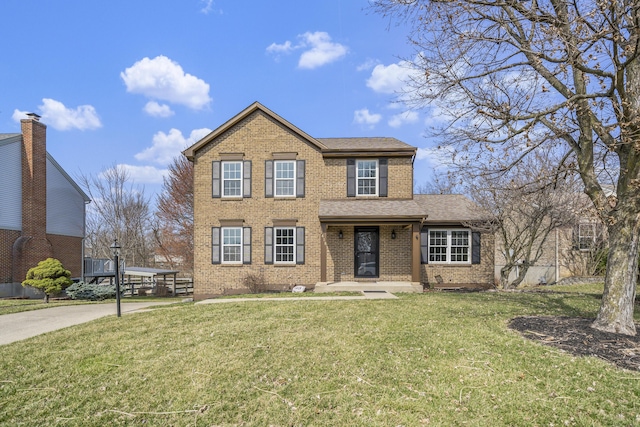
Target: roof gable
{"points": [[256, 106]]}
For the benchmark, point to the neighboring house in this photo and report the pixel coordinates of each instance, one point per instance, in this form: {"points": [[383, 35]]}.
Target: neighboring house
{"points": [[273, 201], [569, 251], [42, 213]]}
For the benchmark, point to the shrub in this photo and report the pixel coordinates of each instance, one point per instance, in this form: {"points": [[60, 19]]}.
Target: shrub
{"points": [[49, 276], [255, 282], [92, 292]]}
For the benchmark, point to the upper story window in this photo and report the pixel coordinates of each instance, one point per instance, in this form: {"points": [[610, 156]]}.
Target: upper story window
{"points": [[285, 178], [231, 179], [367, 177], [587, 236], [450, 246]]}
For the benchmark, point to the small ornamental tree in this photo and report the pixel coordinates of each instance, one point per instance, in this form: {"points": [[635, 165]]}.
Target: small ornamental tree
{"points": [[49, 276]]}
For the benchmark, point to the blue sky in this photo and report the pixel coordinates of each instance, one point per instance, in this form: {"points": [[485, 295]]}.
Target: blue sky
{"points": [[133, 82]]}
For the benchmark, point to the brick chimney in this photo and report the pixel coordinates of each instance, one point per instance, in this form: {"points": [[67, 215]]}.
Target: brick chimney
{"points": [[32, 246]]}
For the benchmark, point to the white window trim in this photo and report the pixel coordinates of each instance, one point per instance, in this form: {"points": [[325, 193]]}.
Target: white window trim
{"points": [[222, 178], [592, 236], [449, 246], [276, 179], [275, 245], [377, 178], [223, 245]]}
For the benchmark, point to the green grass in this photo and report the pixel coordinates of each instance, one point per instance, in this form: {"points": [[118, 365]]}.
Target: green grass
{"points": [[294, 295], [424, 359], [8, 306]]}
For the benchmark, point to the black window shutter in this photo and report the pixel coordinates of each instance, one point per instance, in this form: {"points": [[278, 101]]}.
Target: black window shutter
{"points": [[299, 245], [300, 171], [475, 247], [424, 246], [246, 245], [268, 245], [384, 177], [215, 245], [215, 179], [246, 178], [351, 177], [268, 178]]}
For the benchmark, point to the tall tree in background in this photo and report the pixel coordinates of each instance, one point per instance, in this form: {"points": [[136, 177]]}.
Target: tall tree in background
{"points": [[513, 77], [174, 228], [120, 210]]}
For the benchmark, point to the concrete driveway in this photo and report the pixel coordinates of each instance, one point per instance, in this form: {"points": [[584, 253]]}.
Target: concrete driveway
{"points": [[20, 326]]}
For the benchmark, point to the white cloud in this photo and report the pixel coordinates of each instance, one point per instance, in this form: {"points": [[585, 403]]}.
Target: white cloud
{"points": [[19, 115], [163, 79], [154, 109], [364, 117], [367, 65], [403, 118], [391, 78], [167, 146], [285, 47], [144, 174], [208, 6], [318, 49], [54, 113], [323, 50]]}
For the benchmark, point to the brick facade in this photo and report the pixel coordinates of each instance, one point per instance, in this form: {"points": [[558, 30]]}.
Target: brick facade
{"points": [[259, 136], [23, 249]]}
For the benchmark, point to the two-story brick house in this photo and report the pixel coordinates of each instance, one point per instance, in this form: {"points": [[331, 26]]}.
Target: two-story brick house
{"points": [[42, 210], [270, 199]]}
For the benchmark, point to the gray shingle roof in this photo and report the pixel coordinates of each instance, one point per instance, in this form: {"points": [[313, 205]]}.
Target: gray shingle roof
{"points": [[356, 144], [436, 208], [449, 208]]}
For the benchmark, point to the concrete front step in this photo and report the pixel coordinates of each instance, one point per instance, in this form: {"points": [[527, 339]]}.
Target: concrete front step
{"points": [[392, 287]]}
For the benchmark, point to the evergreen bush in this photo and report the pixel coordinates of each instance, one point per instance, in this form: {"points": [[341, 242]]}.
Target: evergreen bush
{"points": [[91, 292]]}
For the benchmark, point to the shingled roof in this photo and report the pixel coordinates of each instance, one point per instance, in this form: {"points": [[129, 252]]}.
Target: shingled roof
{"points": [[427, 208]]}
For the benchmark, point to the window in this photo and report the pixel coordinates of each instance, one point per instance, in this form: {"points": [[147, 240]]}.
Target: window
{"points": [[232, 245], [231, 179], [285, 178], [284, 245], [367, 177], [586, 236], [449, 247]]}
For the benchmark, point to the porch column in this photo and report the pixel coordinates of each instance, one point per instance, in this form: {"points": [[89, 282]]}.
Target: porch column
{"points": [[323, 253], [415, 253]]}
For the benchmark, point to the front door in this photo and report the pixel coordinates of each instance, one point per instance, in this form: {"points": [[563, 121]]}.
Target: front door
{"points": [[366, 252]]}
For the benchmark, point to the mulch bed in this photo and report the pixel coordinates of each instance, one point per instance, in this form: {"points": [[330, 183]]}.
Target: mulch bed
{"points": [[575, 336]]}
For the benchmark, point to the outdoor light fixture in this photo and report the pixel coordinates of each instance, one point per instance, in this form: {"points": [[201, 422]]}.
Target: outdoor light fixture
{"points": [[115, 250], [340, 236], [393, 234]]}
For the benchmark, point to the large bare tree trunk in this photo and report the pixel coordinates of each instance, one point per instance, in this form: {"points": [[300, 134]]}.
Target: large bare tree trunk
{"points": [[616, 311]]}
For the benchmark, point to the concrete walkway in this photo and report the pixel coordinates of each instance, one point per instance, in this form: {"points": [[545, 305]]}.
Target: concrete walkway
{"points": [[27, 324], [365, 295]]}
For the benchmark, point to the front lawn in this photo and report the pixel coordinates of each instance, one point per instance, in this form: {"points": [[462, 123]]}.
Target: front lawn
{"points": [[423, 359]]}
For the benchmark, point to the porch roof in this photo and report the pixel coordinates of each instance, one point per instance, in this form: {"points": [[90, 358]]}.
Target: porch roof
{"points": [[379, 210], [444, 208]]}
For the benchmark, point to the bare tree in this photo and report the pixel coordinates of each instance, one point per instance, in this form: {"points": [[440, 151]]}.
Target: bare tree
{"points": [[120, 211], [174, 228], [514, 77]]}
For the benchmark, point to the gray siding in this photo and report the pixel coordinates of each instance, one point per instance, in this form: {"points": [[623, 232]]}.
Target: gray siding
{"points": [[65, 204], [10, 185]]}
